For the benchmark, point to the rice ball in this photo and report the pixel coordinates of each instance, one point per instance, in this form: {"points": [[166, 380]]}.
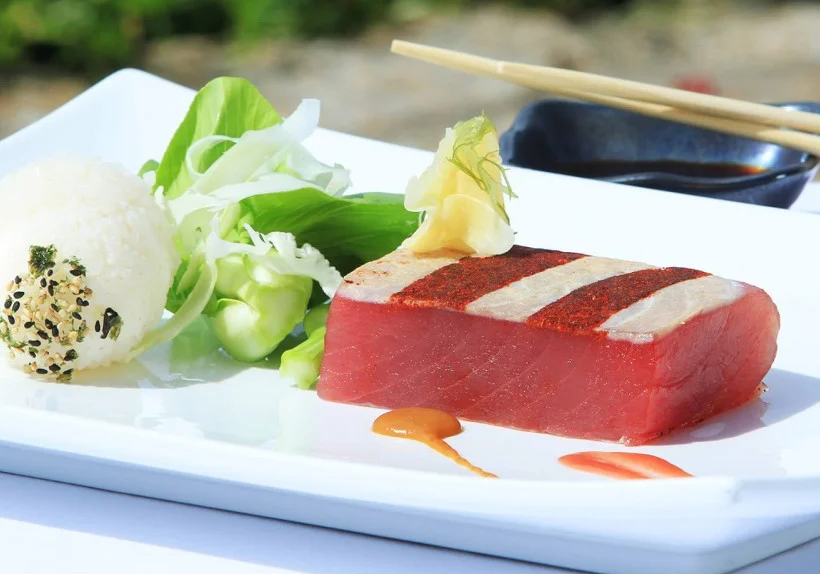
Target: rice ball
{"points": [[86, 261]]}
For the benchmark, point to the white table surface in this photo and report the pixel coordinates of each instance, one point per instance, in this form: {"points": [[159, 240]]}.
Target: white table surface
{"points": [[55, 528]]}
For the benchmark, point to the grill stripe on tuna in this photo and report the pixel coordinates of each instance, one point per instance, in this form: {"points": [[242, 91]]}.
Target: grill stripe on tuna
{"points": [[501, 288], [523, 298], [457, 285], [590, 306], [672, 306], [377, 281]]}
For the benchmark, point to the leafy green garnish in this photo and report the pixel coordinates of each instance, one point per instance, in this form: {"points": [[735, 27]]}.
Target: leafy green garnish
{"points": [[223, 107], [76, 265], [186, 313], [349, 230], [260, 226], [41, 259], [149, 166]]}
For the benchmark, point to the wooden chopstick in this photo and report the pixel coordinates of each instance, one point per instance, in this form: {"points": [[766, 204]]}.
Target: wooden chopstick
{"points": [[564, 83], [787, 138], [585, 82], [703, 103]]}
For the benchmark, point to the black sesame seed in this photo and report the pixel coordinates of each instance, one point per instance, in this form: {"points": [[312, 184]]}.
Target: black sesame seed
{"points": [[50, 272], [82, 302], [97, 327], [47, 323], [18, 294], [42, 372], [53, 283], [43, 335], [54, 368], [111, 324], [55, 332], [17, 280], [55, 307], [34, 343], [28, 324], [12, 320], [7, 304], [71, 355], [51, 290], [15, 307], [76, 272], [32, 354], [43, 282], [77, 316], [68, 372]]}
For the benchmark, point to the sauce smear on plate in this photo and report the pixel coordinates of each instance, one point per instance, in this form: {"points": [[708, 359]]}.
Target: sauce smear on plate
{"points": [[429, 426], [623, 465]]}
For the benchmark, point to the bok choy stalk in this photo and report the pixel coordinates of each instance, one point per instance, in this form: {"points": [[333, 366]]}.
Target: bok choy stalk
{"points": [[261, 226], [316, 318], [302, 363], [263, 289]]}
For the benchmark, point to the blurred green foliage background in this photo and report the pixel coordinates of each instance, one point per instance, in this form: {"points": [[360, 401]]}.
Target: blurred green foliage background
{"points": [[97, 35]]}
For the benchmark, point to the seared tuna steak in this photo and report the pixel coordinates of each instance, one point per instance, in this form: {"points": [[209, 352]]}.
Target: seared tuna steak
{"points": [[547, 341]]}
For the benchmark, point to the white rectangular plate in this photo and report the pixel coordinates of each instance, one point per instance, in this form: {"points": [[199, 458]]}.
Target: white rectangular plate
{"points": [[205, 430]]}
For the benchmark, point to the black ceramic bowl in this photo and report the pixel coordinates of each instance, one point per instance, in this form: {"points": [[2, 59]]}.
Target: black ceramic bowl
{"points": [[603, 143]]}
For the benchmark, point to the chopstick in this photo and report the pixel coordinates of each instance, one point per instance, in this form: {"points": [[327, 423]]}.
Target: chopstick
{"points": [[736, 117], [703, 103], [791, 139]]}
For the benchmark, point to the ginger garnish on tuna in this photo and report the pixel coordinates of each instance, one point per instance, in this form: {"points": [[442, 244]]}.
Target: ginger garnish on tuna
{"points": [[48, 312], [461, 195]]}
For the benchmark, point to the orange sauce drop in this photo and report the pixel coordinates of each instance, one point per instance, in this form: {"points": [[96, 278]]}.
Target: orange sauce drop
{"points": [[428, 426], [623, 465]]}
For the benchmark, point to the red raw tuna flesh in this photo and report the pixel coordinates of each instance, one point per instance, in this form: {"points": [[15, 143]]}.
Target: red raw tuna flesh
{"points": [[547, 341]]}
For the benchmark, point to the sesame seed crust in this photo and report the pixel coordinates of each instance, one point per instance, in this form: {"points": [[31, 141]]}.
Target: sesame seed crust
{"points": [[48, 312]]}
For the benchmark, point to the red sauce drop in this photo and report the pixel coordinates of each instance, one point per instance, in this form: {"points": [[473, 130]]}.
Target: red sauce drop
{"points": [[623, 465]]}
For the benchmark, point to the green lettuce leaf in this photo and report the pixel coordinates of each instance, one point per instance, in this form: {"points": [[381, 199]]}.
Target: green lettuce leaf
{"points": [[349, 230], [226, 107], [186, 313], [149, 166]]}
